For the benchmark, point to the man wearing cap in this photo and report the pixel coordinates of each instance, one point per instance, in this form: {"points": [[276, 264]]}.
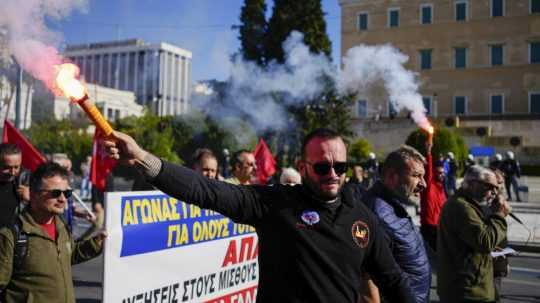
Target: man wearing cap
{"points": [[315, 238]]}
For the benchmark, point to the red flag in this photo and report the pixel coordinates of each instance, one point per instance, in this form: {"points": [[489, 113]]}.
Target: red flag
{"points": [[31, 157], [102, 164], [266, 165]]}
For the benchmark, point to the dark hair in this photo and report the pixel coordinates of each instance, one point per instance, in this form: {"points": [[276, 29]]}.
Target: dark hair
{"points": [[397, 160], [323, 133], [44, 171], [200, 154], [8, 149], [235, 159]]}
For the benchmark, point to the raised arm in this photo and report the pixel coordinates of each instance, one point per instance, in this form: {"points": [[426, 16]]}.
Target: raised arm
{"points": [[482, 236], [243, 204]]}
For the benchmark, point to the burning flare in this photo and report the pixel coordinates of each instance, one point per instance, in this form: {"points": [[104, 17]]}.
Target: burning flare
{"points": [[66, 81], [425, 125]]}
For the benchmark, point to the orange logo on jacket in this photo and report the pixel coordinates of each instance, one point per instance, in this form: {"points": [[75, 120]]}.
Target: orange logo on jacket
{"points": [[360, 233]]}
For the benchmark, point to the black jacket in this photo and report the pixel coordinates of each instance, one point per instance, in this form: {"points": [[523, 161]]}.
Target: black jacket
{"points": [[309, 252], [511, 168], [9, 203]]}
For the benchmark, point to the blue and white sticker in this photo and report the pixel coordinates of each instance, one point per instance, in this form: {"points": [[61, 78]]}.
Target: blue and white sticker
{"points": [[310, 217]]}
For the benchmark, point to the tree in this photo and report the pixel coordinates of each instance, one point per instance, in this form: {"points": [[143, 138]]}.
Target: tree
{"points": [[305, 16], [359, 150], [253, 30], [325, 110], [153, 133], [62, 137]]}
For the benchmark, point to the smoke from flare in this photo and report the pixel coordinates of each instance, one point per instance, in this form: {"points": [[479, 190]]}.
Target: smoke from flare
{"points": [[32, 44], [372, 72]]}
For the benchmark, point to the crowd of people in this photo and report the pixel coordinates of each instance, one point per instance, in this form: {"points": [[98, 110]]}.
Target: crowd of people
{"points": [[347, 239]]}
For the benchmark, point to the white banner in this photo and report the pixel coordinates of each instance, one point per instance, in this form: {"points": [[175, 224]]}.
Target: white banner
{"points": [[162, 250]]}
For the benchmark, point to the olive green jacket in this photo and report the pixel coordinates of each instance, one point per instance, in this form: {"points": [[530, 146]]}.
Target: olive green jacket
{"points": [[466, 237], [45, 275]]}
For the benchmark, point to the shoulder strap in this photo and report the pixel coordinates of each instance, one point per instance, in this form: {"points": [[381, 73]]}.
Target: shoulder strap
{"points": [[68, 227], [20, 246]]}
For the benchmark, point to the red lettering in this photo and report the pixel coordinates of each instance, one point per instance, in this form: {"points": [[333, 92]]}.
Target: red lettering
{"points": [[255, 251], [231, 255], [245, 249], [247, 295]]}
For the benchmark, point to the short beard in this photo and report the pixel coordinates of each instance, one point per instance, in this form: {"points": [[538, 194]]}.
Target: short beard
{"points": [[401, 192], [316, 190]]}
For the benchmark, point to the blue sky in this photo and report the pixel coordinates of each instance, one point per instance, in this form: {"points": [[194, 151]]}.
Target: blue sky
{"points": [[201, 26]]}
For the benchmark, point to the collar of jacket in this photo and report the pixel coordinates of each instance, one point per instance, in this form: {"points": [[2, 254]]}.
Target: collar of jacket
{"points": [[463, 194], [30, 226], [379, 190], [345, 196]]}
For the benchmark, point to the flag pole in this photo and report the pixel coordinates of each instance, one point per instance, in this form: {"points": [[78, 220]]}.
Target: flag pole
{"points": [[78, 199]]}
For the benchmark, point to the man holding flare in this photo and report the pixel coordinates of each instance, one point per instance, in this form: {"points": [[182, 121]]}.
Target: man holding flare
{"points": [[315, 238]]}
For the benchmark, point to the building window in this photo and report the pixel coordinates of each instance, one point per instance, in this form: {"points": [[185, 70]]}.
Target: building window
{"points": [[109, 115], [393, 17], [535, 6], [97, 71], [428, 104], [89, 71], [460, 57], [363, 21], [534, 103], [461, 10], [460, 105], [497, 8], [425, 59], [426, 13], [497, 104], [496, 55], [534, 52], [361, 108], [105, 70]]}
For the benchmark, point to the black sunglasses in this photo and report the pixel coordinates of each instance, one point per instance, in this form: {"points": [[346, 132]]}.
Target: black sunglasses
{"points": [[323, 168], [55, 193], [488, 185]]}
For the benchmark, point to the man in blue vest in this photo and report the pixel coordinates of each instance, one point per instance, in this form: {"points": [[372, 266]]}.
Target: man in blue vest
{"points": [[402, 179]]}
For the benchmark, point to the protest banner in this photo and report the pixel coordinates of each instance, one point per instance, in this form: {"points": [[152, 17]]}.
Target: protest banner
{"points": [[162, 250]]}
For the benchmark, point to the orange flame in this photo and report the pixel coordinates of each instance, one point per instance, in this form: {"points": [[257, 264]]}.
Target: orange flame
{"points": [[66, 81]]}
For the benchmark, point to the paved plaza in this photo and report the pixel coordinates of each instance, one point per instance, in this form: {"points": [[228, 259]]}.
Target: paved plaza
{"points": [[522, 285]]}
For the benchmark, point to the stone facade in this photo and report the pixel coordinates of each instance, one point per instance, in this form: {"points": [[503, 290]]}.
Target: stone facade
{"points": [[499, 85]]}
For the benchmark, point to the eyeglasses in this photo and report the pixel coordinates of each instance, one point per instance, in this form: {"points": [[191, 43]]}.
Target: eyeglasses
{"points": [[55, 193], [488, 186], [323, 168]]}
